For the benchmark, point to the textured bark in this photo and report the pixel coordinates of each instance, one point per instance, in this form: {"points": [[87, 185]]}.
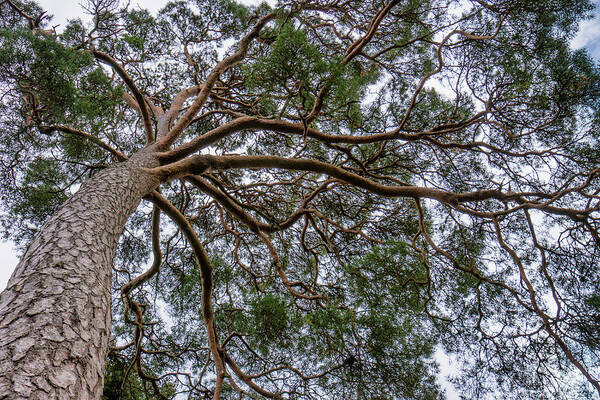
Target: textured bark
{"points": [[55, 319]]}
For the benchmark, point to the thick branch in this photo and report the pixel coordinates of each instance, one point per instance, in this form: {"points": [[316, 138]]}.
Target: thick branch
{"points": [[185, 120], [134, 89], [244, 122], [200, 163], [164, 123], [207, 280]]}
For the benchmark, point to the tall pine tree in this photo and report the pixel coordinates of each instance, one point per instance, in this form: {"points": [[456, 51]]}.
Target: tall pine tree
{"points": [[301, 201]]}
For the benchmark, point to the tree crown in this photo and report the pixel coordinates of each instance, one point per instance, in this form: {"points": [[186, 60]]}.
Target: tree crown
{"points": [[350, 186]]}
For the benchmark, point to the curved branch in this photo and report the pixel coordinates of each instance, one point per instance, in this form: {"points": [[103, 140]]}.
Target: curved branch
{"points": [[137, 308], [134, 89], [353, 50], [441, 65], [246, 379], [185, 120], [198, 164], [67, 129], [245, 217], [157, 256], [357, 46], [207, 280], [244, 122], [167, 118], [543, 316]]}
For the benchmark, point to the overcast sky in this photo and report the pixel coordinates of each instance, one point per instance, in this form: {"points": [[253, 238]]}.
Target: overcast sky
{"points": [[589, 34]]}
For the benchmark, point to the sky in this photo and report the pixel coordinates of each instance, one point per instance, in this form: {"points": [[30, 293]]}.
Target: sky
{"points": [[589, 34], [588, 37]]}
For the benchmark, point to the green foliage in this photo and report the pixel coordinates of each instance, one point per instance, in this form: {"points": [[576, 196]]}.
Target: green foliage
{"points": [[294, 64], [133, 388], [97, 100], [42, 191], [270, 321], [292, 59], [134, 41], [45, 68]]}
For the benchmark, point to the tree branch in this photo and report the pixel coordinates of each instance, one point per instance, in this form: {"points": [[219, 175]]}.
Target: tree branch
{"points": [[207, 280], [245, 122], [141, 101], [185, 120], [200, 163], [47, 129]]}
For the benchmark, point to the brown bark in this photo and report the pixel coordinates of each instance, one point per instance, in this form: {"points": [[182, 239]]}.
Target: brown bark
{"points": [[55, 319]]}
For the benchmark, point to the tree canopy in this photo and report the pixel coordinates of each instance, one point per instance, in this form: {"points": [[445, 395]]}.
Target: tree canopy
{"points": [[346, 187]]}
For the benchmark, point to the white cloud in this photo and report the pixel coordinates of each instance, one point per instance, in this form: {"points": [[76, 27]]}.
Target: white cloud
{"points": [[589, 34]]}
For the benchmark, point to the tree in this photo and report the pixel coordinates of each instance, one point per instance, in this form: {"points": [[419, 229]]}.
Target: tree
{"points": [[349, 186]]}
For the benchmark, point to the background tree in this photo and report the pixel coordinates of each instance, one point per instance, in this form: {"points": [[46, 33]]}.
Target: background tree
{"points": [[333, 189]]}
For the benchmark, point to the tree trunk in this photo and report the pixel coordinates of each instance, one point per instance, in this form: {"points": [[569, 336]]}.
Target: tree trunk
{"points": [[55, 314]]}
